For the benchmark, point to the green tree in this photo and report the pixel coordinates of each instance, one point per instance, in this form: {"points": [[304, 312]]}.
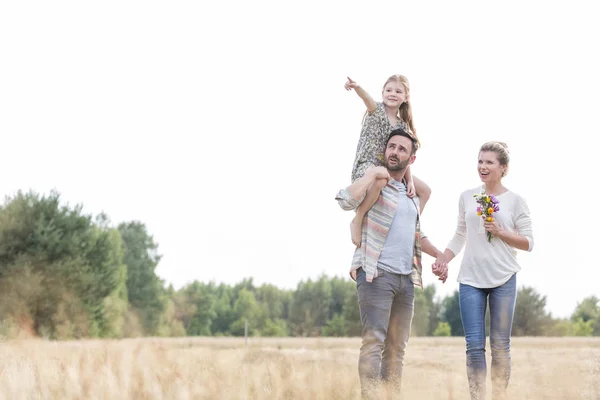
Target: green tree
{"points": [[275, 328], [351, 312], [274, 305], [115, 304], [145, 289], [435, 312], [310, 306], [530, 318], [443, 329], [588, 310], [184, 308], [198, 307], [224, 313], [76, 264], [450, 313], [558, 327], [336, 326], [272, 300], [583, 328], [170, 325], [341, 288], [420, 321], [245, 309], [427, 311]]}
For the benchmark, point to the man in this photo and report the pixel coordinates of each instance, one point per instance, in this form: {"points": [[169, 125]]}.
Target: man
{"points": [[387, 266]]}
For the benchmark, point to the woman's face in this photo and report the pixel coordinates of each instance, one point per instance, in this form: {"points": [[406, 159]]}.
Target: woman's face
{"points": [[489, 167]]}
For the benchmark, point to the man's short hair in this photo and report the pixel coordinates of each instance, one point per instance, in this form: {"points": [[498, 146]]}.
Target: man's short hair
{"points": [[402, 132]]}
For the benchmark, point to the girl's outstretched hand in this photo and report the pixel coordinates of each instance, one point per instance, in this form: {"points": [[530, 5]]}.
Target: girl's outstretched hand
{"points": [[350, 84]]}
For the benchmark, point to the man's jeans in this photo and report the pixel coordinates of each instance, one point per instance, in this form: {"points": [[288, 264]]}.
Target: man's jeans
{"points": [[386, 311], [472, 310]]}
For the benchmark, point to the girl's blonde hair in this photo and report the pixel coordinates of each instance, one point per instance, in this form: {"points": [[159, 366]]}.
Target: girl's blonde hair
{"points": [[405, 111]]}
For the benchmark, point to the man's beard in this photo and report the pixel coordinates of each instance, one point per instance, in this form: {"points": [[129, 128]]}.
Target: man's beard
{"points": [[399, 166]]}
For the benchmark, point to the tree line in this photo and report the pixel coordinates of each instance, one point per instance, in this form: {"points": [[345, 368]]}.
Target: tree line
{"points": [[67, 275]]}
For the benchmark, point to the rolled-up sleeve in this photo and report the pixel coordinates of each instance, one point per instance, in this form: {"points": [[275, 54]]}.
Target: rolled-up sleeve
{"points": [[346, 201]]}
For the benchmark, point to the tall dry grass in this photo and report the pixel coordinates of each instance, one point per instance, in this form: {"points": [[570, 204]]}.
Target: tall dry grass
{"points": [[222, 368]]}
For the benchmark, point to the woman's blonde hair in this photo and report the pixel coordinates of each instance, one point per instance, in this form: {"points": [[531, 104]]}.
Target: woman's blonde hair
{"points": [[501, 150]]}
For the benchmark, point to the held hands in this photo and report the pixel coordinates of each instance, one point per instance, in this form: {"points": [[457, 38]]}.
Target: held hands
{"points": [[351, 84], [440, 268]]}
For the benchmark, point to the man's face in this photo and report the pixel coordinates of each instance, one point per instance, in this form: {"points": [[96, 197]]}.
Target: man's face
{"points": [[397, 153]]}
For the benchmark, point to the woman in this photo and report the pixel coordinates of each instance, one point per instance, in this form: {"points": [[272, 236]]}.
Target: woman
{"points": [[489, 268]]}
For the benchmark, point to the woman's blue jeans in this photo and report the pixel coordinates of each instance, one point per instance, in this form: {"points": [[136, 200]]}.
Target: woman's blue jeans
{"points": [[473, 303]]}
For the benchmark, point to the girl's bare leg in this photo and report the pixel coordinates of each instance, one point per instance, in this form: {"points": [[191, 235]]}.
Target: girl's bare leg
{"points": [[423, 191], [368, 202]]}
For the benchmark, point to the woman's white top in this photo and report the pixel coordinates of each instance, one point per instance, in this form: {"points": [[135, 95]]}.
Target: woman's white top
{"points": [[484, 264]]}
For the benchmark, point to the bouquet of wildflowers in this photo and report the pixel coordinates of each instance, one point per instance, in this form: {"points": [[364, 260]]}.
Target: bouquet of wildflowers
{"points": [[488, 205]]}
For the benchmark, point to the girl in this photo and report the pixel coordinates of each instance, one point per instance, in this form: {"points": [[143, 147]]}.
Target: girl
{"points": [[380, 119]]}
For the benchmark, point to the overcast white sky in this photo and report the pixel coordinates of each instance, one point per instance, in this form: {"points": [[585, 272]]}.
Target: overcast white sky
{"points": [[225, 127]]}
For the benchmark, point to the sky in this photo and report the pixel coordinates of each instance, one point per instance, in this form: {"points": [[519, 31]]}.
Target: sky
{"points": [[225, 127]]}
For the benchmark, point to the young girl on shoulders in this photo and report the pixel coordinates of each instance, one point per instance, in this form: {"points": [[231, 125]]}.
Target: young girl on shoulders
{"points": [[394, 111]]}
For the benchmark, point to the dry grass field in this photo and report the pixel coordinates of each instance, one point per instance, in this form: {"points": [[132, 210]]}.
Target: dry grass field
{"points": [[222, 368]]}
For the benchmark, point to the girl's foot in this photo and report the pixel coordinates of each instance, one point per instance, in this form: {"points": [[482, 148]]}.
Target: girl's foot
{"points": [[356, 231]]}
